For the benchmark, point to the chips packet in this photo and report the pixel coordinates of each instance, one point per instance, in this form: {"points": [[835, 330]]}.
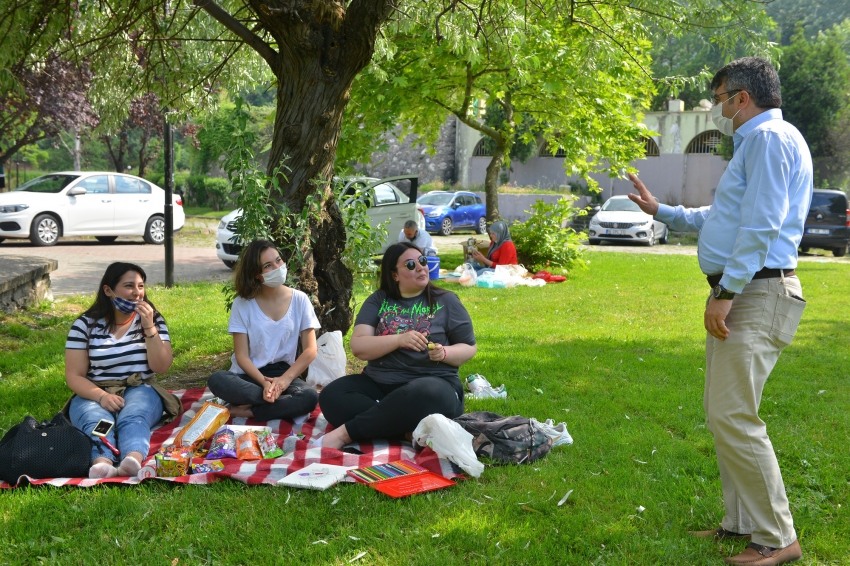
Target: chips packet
{"points": [[223, 444], [172, 461], [207, 467], [202, 426], [248, 447], [268, 446]]}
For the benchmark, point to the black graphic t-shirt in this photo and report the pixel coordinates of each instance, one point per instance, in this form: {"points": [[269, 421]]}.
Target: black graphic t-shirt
{"points": [[447, 322]]}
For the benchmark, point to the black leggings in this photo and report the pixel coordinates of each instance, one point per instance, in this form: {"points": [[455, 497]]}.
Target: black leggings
{"points": [[239, 389], [369, 409]]}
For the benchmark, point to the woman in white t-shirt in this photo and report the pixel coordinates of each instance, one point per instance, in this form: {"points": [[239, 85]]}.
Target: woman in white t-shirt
{"points": [[266, 321]]}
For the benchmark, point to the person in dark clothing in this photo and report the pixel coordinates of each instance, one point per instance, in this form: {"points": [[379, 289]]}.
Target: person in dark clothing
{"points": [[414, 337]]}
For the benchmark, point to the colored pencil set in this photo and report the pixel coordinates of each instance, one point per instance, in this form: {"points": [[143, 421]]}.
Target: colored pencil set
{"points": [[381, 472]]}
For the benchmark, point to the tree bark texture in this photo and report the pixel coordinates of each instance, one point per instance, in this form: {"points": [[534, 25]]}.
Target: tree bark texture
{"points": [[321, 46], [491, 182]]}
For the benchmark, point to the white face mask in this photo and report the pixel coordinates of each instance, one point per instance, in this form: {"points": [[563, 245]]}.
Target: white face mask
{"points": [[275, 277], [723, 123]]}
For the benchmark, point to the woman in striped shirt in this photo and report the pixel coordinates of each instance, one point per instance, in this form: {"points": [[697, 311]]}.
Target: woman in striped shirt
{"points": [[112, 353]]}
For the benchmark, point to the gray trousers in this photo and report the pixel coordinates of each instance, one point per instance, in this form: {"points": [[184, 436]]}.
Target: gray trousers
{"points": [[763, 320], [239, 389]]}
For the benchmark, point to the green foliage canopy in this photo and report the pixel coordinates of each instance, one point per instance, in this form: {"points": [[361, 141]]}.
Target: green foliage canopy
{"points": [[815, 78]]}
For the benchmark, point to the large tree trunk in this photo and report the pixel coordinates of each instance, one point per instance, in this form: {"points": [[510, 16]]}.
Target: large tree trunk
{"points": [[491, 182], [322, 44], [117, 155]]}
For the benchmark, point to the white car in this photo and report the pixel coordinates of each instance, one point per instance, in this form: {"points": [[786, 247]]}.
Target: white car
{"points": [[621, 220], [385, 201], [103, 205]]}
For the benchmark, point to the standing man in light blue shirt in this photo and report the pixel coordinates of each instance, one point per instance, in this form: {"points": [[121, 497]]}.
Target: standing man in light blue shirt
{"points": [[748, 250]]}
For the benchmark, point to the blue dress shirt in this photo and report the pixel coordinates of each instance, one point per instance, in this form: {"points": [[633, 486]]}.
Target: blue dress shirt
{"points": [[760, 205]]}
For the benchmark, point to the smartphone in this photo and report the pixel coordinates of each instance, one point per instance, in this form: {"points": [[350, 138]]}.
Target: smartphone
{"points": [[102, 428]]}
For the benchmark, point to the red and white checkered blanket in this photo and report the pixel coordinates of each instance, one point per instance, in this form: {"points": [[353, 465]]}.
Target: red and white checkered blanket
{"points": [[270, 470]]}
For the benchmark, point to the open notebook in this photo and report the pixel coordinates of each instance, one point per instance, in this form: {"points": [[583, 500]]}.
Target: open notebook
{"points": [[315, 476]]}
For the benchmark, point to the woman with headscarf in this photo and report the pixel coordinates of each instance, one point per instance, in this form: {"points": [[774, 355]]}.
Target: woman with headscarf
{"points": [[502, 250]]}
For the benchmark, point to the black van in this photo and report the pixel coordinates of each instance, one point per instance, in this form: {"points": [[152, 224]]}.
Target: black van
{"points": [[828, 223]]}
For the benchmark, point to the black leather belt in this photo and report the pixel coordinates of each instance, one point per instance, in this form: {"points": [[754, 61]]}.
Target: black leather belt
{"points": [[766, 273]]}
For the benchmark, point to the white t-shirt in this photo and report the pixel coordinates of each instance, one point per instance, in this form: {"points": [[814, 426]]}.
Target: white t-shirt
{"points": [[271, 341], [422, 240]]}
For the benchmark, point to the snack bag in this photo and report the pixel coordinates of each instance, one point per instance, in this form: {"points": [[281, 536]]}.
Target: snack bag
{"points": [[248, 447], [172, 461], [202, 426], [223, 444], [268, 446], [208, 467]]}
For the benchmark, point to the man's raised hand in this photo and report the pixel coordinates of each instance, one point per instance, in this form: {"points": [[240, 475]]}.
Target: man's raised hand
{"points": [[644, 198]]}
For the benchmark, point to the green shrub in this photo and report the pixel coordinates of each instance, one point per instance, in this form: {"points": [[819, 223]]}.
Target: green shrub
{"points": [[545, 240], [218, 192]]}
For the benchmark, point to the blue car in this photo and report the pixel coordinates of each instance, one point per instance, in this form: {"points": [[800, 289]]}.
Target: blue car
{"points": [[445, 212]]}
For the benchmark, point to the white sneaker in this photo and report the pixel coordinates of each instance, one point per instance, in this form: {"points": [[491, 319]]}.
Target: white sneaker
{"points": [[558, 433]]}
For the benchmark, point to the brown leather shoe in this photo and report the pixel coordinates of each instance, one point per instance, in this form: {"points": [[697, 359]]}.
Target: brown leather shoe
{"points": [[719, 534], [758, 555]]}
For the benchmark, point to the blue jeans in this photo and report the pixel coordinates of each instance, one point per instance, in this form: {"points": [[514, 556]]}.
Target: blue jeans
{"points": [[142, 410]]}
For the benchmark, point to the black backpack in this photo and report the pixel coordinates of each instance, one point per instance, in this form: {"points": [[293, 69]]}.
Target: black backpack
{"points": [[511, 440], [50, 449]]}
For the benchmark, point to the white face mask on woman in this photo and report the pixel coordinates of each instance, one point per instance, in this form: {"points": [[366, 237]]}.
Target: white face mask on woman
{"points": [[275, 277], [723, 123]]}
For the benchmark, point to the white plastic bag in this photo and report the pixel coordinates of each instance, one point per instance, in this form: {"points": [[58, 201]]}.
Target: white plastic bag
{"points": [[450, 441], [330, 360], [468, 278]]}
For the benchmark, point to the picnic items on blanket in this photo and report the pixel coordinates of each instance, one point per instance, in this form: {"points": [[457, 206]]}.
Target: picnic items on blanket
{"points": [[223, 443], [549, 278], [330, 360], [448, 440], [49, 449], [489, 280], [510, 440], [172, 461], [468, 278], [268, 446], [471, 245], [248, 447], [480, 388], [202, 426], [400, 478], [208, 466], [558, 433], [315, 476]]}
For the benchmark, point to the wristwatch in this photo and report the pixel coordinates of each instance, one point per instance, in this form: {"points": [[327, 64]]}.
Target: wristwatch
{"points": [[718, 292]]}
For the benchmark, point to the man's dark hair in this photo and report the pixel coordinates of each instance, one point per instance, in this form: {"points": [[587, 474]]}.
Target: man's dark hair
{"points": [[754, 75]]}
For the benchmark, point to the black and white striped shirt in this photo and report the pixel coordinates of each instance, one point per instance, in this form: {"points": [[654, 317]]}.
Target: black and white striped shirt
{"points": [[110, 358]]}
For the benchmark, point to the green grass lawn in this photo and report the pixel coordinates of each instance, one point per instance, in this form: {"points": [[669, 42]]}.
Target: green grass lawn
{"points": [[617, 352], [205, 212]]}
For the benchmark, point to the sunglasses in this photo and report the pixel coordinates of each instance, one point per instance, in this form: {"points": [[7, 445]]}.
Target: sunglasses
{"points": [[411, 263]]}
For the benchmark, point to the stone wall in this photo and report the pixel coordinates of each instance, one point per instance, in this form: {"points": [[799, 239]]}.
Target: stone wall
{"points": [[408, 156], [25, 281]]}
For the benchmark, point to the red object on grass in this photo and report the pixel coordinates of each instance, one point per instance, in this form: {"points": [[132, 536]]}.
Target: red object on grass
{"points": [[544, 275], [556, 279]]}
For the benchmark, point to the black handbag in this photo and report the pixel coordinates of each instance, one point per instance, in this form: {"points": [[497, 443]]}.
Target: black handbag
{"points": [[50, 449]]}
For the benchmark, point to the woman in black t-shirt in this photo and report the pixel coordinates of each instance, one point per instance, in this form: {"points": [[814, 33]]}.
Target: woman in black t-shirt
{"points": [[414, 337]]}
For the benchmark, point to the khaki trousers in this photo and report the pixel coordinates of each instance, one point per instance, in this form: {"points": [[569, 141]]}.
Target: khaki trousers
{"points": [[763, 320]]}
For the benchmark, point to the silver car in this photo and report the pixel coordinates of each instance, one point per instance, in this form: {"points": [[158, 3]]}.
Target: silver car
{"points": [[621, 220]]}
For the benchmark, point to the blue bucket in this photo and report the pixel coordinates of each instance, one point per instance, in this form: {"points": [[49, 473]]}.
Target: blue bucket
{"points": [[433, 267]]}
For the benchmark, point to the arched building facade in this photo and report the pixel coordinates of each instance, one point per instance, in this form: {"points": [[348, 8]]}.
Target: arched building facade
{"points": [[680, 165]]}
